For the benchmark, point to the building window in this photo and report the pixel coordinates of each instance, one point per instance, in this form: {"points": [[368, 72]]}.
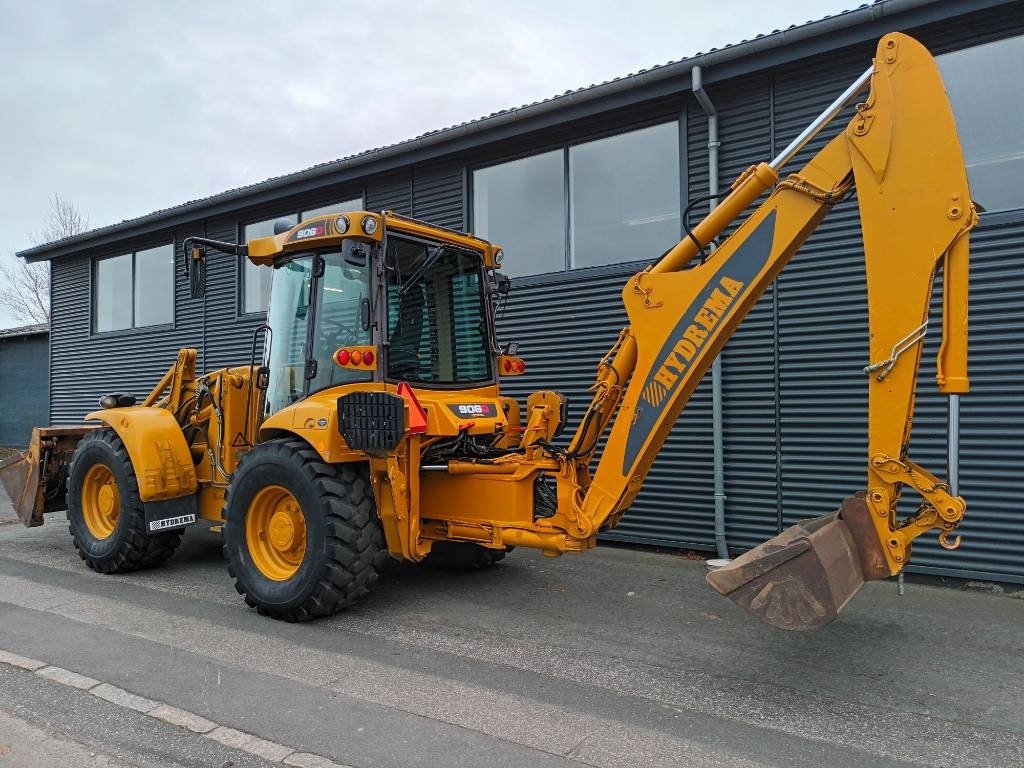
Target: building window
{"points": [[256, 279], [988, 103], [624, 196], [131, 290], [608, 201], [521, 206]]}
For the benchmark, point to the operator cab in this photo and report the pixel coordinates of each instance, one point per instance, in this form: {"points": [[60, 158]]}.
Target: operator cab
{"points": [[361, 298]]}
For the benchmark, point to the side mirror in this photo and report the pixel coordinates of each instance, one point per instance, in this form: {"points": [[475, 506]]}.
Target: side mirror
{"points": [[319, 265], [355, 255], [195, 271], [263, 378], [501, 284]]}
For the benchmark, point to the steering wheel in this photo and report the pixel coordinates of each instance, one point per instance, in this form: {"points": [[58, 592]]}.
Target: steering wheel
{"points": [[339, 336]]}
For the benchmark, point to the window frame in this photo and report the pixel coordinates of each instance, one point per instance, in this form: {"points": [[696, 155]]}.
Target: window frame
{"points": [[998, 216], [381, 313], [133, 328], [564, 146], [240, 310]]}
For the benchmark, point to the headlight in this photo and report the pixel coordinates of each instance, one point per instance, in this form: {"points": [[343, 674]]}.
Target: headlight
{"points": [[341, 225], [499, 256], [369, 225]]}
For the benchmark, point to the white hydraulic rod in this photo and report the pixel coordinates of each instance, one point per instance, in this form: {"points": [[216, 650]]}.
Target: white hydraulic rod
{"points": [[953, 448], [822, 120]]}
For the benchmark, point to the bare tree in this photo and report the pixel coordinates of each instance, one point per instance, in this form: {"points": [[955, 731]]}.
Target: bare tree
{"points": [[64, 220], [25, 288]]}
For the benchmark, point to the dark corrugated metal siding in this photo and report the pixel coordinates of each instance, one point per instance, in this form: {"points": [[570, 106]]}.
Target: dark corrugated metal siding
{"points": [[992, 415], [85, 366], [24, 387], [392, 192], [750, 409], [437, 193], [564, 328], [228, 332], [822, 320], [794, 396]]}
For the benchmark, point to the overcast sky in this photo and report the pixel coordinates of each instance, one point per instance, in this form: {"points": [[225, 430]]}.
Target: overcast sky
{"points": [[124, 108]]}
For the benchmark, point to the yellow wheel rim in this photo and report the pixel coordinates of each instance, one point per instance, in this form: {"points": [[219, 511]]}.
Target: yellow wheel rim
{"points": [[101, 501], [275, 531]]}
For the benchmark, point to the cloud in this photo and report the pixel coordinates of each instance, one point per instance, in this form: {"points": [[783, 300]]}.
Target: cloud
{"points": [[124, 108]]}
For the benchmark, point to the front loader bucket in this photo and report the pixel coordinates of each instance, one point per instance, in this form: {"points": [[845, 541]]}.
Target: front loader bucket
{"points": [[35, 480], [14, 476], [802, 578]]}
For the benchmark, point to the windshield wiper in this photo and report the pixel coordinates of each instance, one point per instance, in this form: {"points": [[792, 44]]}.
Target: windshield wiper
{"points": [[415, 277]]}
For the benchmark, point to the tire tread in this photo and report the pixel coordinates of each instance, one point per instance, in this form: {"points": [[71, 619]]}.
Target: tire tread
{"points": [[139, 549], [355, 549]]}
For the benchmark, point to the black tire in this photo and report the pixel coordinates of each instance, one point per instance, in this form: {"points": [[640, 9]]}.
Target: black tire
{"points": [[462, 556], [344, 549], [128, 547]]}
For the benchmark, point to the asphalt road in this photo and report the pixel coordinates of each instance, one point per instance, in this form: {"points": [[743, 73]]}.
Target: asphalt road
{"points": [[613, 658]]}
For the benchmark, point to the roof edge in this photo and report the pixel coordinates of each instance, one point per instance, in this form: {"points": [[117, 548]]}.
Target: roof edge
{"points": [[434, 141], [35, 329]]}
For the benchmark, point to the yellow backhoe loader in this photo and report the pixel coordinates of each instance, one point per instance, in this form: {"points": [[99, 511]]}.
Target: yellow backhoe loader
{"points": [[373, 424]]}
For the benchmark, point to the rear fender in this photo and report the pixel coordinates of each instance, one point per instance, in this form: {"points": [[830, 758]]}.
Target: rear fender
{"points": [[157, 448]]}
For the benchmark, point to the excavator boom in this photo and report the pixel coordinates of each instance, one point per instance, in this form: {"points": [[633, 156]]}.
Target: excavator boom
{"points": [[901, 153]]}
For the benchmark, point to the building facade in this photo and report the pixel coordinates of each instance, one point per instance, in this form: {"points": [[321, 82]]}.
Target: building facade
{"points": [[24, 383], [601, 175]]}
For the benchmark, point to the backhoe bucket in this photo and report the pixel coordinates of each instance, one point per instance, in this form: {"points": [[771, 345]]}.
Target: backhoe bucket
{"points": [[35, 480], [802, 578]]}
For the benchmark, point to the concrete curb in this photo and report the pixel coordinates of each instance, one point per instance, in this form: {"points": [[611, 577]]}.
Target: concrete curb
{"points": [[182, 718]]}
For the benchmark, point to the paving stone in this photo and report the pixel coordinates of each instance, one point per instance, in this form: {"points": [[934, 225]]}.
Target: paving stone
{"points": [[124, 698], [307, 760], [246, 742], [183, 717], [67, 677], [6, 657]]}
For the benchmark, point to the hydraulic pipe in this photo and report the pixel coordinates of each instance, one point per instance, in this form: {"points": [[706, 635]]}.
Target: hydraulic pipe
{"points": [[951, 368], [822, 120], [717, 415], [745, 191]]}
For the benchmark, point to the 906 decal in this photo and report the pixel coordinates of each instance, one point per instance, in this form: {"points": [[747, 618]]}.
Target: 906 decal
{"points": [[316, 231], [474, 410]]}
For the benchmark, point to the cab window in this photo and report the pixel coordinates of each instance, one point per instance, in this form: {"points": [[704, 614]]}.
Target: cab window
{"points": [[340, 315], [437, 326]]}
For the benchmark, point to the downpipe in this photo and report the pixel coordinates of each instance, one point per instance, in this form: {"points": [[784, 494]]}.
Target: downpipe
{"points": [[717, 416]]}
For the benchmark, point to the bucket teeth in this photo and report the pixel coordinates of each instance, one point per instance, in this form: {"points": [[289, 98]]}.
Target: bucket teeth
{"points": [[802, 578]]}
